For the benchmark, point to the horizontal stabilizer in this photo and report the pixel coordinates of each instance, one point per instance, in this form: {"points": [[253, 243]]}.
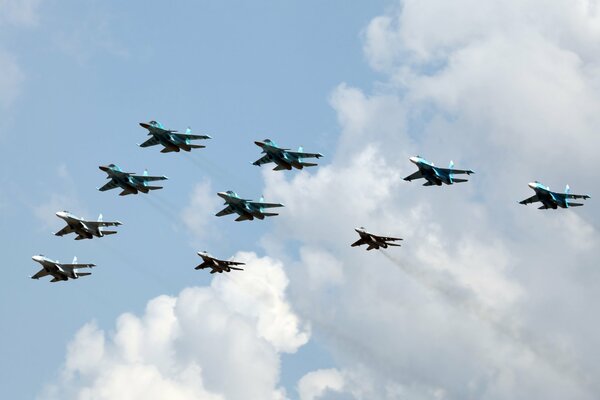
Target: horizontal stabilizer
{"points": [[575, 204], [108, 232], [83, 273], [307, 164], [196, 146], [243, 217], [170, 149], [393, 244], [456, 180], [281, 168], [153, 187], [269, 214], [125, 192]]}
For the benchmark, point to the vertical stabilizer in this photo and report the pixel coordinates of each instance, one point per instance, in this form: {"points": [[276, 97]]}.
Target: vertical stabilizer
{"points": [[567, 190], [145, 172], [188, 130], [100, 218], [74, 260]]}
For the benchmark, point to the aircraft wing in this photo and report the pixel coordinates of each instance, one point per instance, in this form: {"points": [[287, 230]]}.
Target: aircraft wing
{"points": [[263, 160], [224, 262], [91, 224], [264, 205], [190, 136], [416, 175], [359, 242], [301, 154], [577, 196], [530, 200], [76, 266], [387, 239], [455, 171], [145, 178], [110, 185], [226, 211], [64, 231], [150, 142], [41, 273]]}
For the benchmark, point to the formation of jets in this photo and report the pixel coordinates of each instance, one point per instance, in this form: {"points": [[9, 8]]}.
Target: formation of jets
{"points": [[284, 159]]}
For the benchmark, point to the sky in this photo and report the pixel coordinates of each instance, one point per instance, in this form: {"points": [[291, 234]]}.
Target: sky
{"points": [[486, 298]]}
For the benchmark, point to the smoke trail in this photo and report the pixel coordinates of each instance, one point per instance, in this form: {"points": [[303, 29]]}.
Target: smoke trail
{"points": [[462, 298]]}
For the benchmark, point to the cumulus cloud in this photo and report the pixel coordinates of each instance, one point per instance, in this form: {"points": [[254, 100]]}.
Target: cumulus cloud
{"points": [[201, 209], [19, 12], [508, 89], [217, 342], [313, 385]]}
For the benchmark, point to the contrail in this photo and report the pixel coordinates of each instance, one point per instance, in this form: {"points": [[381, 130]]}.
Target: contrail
{"points": [[462, 298]]}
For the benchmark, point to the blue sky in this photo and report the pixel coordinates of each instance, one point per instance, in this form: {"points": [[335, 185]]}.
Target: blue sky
{"points": [[508, 89], [93, 70]]}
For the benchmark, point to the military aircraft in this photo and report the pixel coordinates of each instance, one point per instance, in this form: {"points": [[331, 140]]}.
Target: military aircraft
{"points": [[60, 272], [84, 229], [284, 158], [246, 209], [551, 199], [130, 183], [171, 140], [436, 175], [217, 265], [373, 241]]}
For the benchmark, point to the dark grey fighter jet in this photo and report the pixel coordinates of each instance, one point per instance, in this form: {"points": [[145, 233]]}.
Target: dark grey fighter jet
{"points": [[551, 199], [171, 140], [436, 175], [217, 265], [373, 241], [60, 272], [130, 183], [246, 209], [284, 158], [84, 229]]}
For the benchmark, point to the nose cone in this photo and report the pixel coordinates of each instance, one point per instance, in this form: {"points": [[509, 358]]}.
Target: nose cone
{"points": [[414, 160], [224, 195], [37, 258], [259, 143], [104, 168], [144, 125], [61, 214], [533, 185]]}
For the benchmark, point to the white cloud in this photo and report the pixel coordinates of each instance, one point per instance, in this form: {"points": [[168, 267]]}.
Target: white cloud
{"points": [[203, 205], [217, 342], [11, 78], [314, 384]]}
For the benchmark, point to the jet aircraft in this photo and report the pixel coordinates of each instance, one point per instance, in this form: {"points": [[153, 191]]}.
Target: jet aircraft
{"points": [[436, 175], [284, 158], [130, 183], [246, 209], [551, 199], [217, 265], [373, 241], [171, 140], [60, 272], [84, 229]]}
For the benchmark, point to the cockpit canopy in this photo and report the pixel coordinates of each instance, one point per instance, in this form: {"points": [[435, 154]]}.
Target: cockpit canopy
{"points": [[232, 193]]}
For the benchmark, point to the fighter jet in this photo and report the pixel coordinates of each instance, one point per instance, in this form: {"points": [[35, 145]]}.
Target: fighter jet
{"points": [[551, 199], [217, 265], [171, 140], [84, 229], [436, 175], [60, 272], [373, 241], [284, 158], [246, 209], [130, 183]]}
